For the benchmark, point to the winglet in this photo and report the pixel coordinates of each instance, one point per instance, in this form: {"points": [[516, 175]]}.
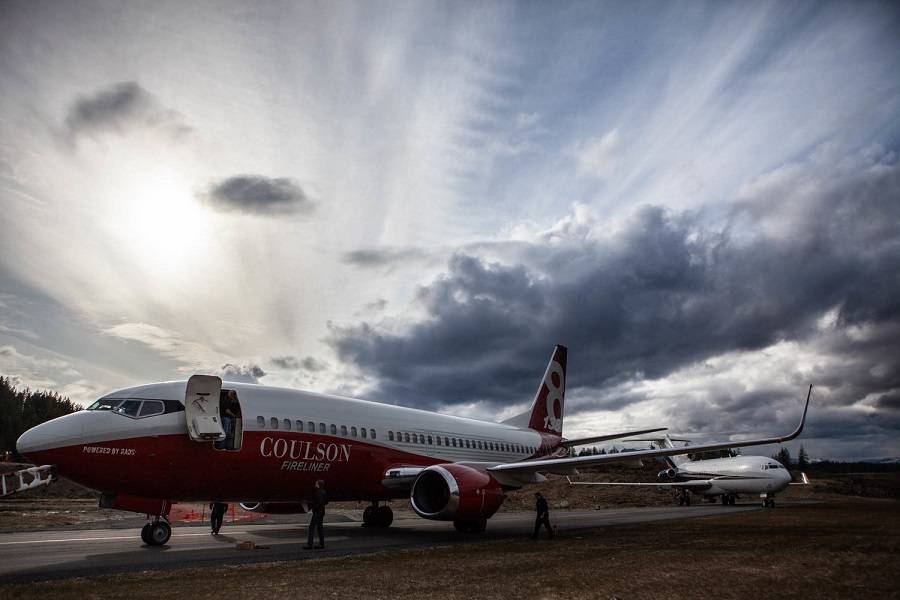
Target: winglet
{"points": [[802, 420]]}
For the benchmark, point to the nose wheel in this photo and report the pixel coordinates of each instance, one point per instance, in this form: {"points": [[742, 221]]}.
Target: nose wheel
{"points": [[156, 533]]}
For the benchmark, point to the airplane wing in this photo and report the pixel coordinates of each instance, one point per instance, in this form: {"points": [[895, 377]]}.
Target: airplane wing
{"points": [[694, 484], [604, 438], [560, 464]]}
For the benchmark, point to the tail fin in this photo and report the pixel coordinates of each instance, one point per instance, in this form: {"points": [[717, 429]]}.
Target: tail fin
{"points": [[549, 402], [678, 459]]}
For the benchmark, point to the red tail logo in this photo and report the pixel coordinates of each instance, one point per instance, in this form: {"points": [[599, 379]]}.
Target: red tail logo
{"points": [[549, 402]]}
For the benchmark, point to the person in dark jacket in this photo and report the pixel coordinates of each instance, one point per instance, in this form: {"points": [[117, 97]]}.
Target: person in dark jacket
{"points": [[216, 515], [316, 520], [543, 516]]}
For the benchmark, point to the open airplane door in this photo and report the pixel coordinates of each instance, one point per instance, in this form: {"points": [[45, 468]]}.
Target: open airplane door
{"points": [[201, 408]]}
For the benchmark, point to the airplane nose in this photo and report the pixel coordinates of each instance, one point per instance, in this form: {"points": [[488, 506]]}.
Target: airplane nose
{"points": [[56, 433]]}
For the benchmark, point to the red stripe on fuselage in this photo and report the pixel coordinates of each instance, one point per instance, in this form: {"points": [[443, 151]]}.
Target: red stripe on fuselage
{"points": [[269, 466]]}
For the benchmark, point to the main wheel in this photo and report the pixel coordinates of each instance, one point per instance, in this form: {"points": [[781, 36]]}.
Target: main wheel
{"points": [[687, 500], [384, 516], [159, 533], [369, 516], [145, 533]]}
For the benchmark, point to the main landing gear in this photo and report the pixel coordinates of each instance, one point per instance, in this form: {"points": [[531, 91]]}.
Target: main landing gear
{"points": [[684, 498], [378, 516], [728, 499], [768, 501], [157, 532]]}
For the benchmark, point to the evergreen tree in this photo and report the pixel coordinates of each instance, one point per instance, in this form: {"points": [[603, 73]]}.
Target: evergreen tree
{"points": [[784, 457], [21, 410], [802, 458]]}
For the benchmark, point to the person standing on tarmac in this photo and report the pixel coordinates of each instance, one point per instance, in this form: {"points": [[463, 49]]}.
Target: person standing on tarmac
{"points": [[543, 516], [216, 515], [316, 521]]}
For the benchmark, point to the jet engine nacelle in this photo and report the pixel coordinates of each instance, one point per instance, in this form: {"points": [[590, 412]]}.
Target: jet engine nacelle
{"points": [[667, 474], [455, 493], [275, 508]]}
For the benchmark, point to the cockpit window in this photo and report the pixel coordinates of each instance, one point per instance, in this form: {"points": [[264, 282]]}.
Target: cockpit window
{"points": [[129, 408], [132, 407], [151, 407], [105, 404]]}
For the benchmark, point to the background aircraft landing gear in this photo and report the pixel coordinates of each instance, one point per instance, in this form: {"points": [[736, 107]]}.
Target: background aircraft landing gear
{"points": [[684, 499], [768, 502], [378, 516], [156, 533]]}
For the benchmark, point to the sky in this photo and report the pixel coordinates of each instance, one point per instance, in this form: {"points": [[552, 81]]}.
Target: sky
{"points": [[412, 202]]}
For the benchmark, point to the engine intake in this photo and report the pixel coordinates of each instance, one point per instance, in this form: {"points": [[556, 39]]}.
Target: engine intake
{"points": [[667, 474], [455, 492], [275, 508]]}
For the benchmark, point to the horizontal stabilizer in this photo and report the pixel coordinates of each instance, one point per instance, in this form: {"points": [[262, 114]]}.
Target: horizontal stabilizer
{"points": [[604, 438]]}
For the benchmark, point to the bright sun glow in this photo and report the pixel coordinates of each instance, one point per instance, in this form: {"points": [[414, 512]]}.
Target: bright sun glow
{"points": [[152, 212]]}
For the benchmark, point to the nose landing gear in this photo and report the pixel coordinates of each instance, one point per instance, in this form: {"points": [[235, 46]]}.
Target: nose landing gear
{"points": [[157, 532]]}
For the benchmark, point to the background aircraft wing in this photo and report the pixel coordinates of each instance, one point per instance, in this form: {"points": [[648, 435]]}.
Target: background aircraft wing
{"points": [[559, 464], [694, 484], [604, 438]]}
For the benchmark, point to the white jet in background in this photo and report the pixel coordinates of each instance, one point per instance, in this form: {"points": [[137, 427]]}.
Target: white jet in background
{"points": [[727, 478]]}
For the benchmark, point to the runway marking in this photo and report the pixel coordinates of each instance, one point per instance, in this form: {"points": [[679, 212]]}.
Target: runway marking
{"points": [[100, 539]]}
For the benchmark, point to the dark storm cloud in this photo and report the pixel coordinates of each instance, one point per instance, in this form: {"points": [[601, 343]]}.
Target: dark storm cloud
{"points": [[382, 257], [292, 363], [259, 195], [120, 107], [665, 293], [243, 373]]}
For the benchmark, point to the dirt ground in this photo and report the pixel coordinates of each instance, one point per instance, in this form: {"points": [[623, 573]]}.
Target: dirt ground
{"points": [[845, 549]]}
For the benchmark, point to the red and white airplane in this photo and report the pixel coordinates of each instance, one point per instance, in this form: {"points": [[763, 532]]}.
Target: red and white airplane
{"points": [[147, 446]]}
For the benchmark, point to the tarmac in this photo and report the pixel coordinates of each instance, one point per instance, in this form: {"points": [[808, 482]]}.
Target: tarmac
{"points": [[58, 554]]}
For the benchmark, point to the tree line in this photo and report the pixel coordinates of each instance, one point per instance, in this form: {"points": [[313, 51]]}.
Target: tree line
{"points": [[22, 409]]}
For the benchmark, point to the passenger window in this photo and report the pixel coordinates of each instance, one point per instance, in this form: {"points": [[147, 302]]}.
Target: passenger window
{"points": [[273, 422], [390, 436], [467, 443], [438, 440], [372, 433], [312, 427], [454, 442], [260, 422], [321, 427], [151, 407], [299, 425], [344, 430], [287, 424], [430, 441], [406, 437], [446, 441], [353, 431], [362, 430], [333, 429], [415, 439]]}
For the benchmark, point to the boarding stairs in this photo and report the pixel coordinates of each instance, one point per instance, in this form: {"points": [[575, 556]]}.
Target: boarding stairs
{"points": [[26, 479]]}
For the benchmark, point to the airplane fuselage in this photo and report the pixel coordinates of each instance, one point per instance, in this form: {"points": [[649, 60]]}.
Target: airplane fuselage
{"points": [[288, 440], [736, 475]]}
